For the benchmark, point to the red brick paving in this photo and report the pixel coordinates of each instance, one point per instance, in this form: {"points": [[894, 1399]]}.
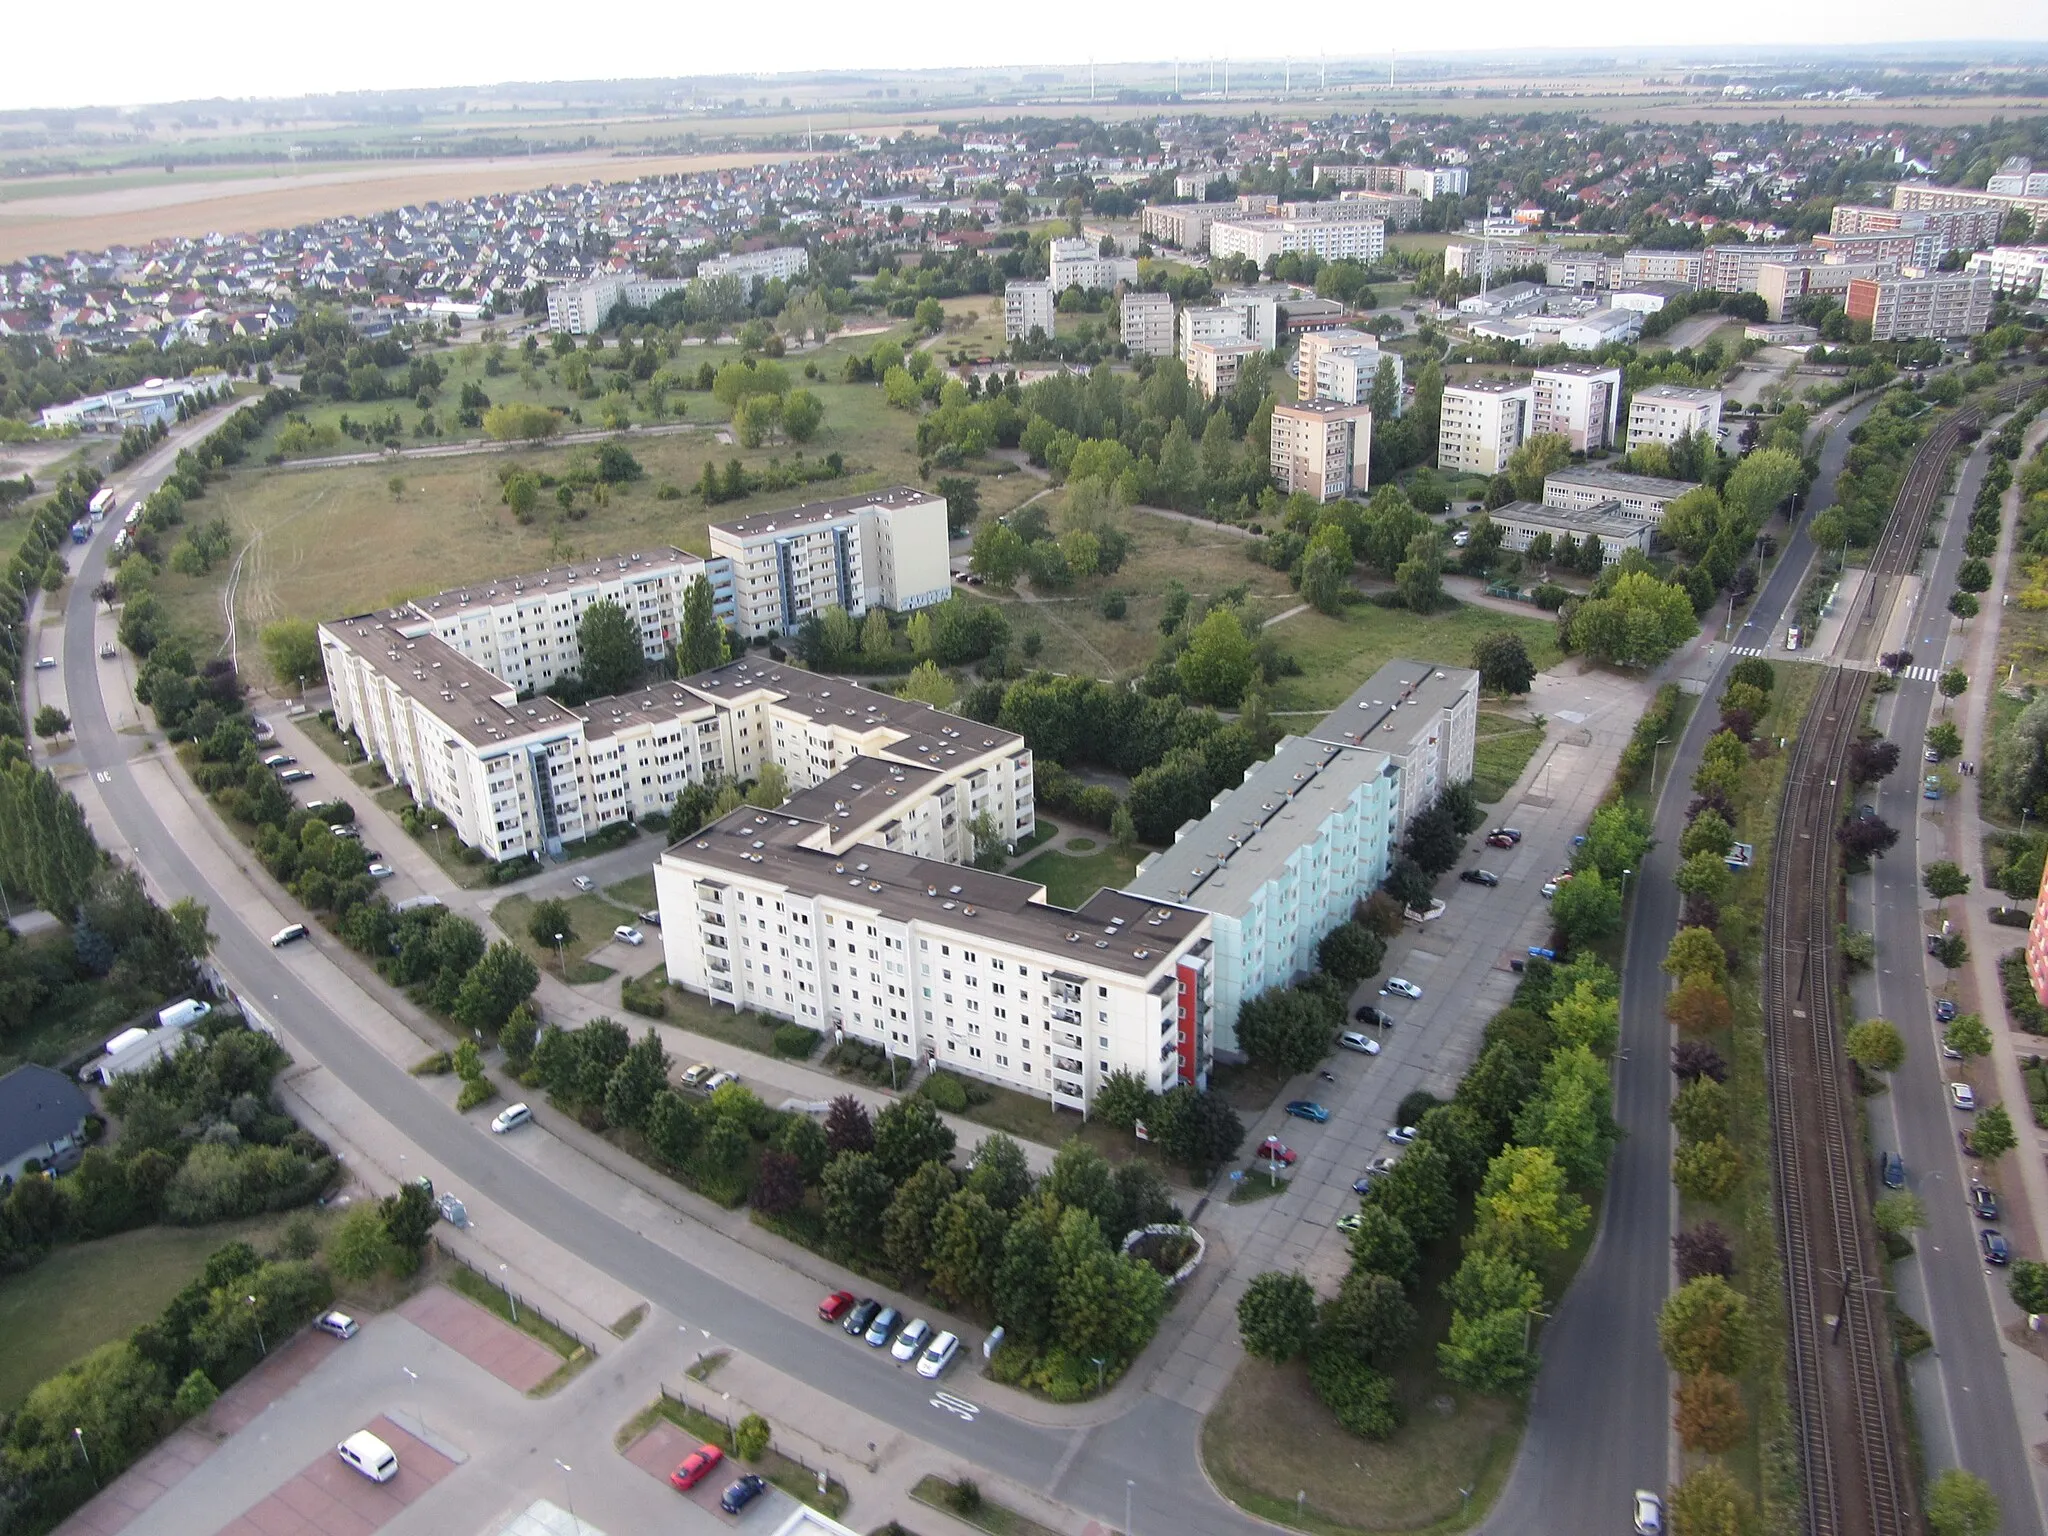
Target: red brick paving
{"points": [[515, 1358], [662, 1449], [284, 1369], [330, 1498]]}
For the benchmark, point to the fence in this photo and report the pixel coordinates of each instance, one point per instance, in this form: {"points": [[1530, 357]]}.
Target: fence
{"points": [[512, 1297], [724, 1415]]}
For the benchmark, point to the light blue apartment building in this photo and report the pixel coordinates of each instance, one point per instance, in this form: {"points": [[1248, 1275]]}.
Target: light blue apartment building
{"points": [[1279, 861]]}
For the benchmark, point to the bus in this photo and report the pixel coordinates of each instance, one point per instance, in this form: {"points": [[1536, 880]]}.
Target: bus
{"points": [[101, 504]]}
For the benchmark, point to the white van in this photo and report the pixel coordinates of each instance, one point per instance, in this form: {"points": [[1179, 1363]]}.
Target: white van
{"points": [[287, 934], [369, 1456], [123, 1040], [178, 1015], [938, 1355]]}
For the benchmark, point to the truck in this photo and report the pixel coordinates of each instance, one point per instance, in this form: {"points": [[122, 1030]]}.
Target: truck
{"points": [[81, 531], [189, 1011], [101, 504]]}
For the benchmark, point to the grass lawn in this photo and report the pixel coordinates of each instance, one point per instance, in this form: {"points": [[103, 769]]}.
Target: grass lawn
{"points": [[1071, 878], [591, 917], [441, 844], [746, 1030], [1029, 1118], [1500, 751], [636, 893], [70, 1026], [982, 1513], [86, 1294], [1338, 654], [785, 1472]]}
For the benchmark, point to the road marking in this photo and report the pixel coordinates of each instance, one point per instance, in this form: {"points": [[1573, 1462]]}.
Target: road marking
{"points": [[101, 776], [956, 1405]]}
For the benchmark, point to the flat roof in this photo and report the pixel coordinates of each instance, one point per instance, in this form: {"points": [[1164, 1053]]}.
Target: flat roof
{"points": [[1602, 517], [1621, 482], [475, 704], [1580, 370], [1111, 930], [859, 795], [1252, 830], [1399, 685], [813, 512], [1321, 407], [1489, 386], [556, 578], [1683, 392]]}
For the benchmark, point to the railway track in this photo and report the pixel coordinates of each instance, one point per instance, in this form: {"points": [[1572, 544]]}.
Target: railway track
{"points": [[1843, 1388]]}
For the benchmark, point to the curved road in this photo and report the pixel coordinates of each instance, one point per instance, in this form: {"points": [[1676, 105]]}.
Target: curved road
{"points": [[1154, 1445]]}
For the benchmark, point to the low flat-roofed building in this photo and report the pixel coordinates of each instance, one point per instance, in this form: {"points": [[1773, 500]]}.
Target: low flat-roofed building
{"points": [[1520, 522], [1641, 498]]}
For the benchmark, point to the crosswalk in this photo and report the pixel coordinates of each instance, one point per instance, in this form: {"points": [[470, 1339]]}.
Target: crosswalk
{"points": [[1919, 674]]}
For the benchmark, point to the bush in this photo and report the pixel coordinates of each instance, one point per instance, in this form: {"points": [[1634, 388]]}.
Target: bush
{"points": [[1362, 1398], [964, 1497], [475, 1091], [946, 1091], [796, 1041], [751, 1438], [195, 1394]]}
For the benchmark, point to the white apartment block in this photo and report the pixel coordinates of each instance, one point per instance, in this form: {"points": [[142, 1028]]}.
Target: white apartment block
{"points": [[1957, 224], [1027, 307], [1214, 367], [1146, 321], [1078, 263], [1482, 422], [1634, 498], [1183, 225], [1580, 402], [580, 308], [1588, 271], [1400, 209], [885, 549], [2011, 268], [2016, 177], [1260, 308], [525, 630], [1936, 305], [1654, 266], [528, 776], [1370, 178], [1734, 268], [1433, 181], [782, 261], [1211, 322], [1424, 717], [951, 967], [1490, 258], [1663, 413], [1321, 448], [1342, 364], [1521, 522], [1264, 240]]}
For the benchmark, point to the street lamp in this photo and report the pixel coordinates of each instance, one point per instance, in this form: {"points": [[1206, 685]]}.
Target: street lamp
{"points": [[1661, 743], [507, 1283], [1624, 885], [262, 1348], [561, 965], [1099, 1362], [568, 1490], [79, 1435], [1130, 1486], [414, 1377]]}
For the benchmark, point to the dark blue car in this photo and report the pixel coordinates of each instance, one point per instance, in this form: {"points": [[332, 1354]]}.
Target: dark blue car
{"points": [[742, 1493]]}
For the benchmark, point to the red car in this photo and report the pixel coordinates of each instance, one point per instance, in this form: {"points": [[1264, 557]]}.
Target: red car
{"points": [[833, 1307], [1272, 1148], [697, 1466]]}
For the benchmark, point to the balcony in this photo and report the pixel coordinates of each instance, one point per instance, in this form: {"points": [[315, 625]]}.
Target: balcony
{"points": [[719, 964], [1068, 1065], [1071, 1042], [1067, 1015], [1166, 1051], [1067, 1091]]}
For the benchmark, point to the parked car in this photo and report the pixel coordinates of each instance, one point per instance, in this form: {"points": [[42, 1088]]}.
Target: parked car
{"points": [[1649, 1513], [108, 651], [380, 871], [1405, 988], [651, 918], [1365, 1013], [1352, 1040], [938, 1355], [1549, 889], [742, 1493], [1350, 1223], [510, 1118], [339, 1324], [1274, 1150], [1484, 877], [835, 1306], [884, 1327], [1401, 1135], [45, 663], [698, 1074], [1983, 1203], [279, 760], [1510, 836], [628, 935], [1539, 952], [369, 1456], [1992, 1241], [1962, 1096], [697, 1466], [295, 776], [718, 1080], [290, 933], [584, 883], [858, 1319], [1944, 1011], [1930, 787], [1308, 1109], [911, 1341], [1892, 1169], [1931, 755]]}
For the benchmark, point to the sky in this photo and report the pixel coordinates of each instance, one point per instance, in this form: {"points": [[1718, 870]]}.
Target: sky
{"points": [[129, 52]]}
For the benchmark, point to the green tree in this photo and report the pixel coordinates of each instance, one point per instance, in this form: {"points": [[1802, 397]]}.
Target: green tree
{"points": [[1503, 662], [912, 1217], [1381, 1245], [291, 647], [1704, 1326], [1967, 1034], [498, 983], [1571, 1116], [1638, 623], [966, 1248], [1417, 1192], [1524, 1208], [1276, 1315], [874, 634], [1696, 952], [703, 642], [1492, 1282], [612, 652], [998, 555], [1370, 1317], [1943, 879], [550, 921], [1286, 1028], [856, 1193], [909, 1134], [928, 685], [751, 1438], [359, 1248], [1363, 1399], [1350, 953], [1122, 1099], [1488, 1353], [1218, 663], [1960, 1503], [1586, 909], [1326, 571], [51, 721], [1535, 460], [1700, 1110], [1584, 1017], [1707, 1170], [1992, 1135], [1001, 1174], [1876, 1045], [802, 414], [409, 1218], [636, 1082], [1708, 1502], [195, 1394]]}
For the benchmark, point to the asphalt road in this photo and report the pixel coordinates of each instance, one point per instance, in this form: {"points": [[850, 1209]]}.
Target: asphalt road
{"points": [[1965, 1411], [1154, 1446], [1600, 1412]]}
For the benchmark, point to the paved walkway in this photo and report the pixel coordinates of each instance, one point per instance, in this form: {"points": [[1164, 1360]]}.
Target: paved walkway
{"points": [[332, 1499], [515, 1358]]}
